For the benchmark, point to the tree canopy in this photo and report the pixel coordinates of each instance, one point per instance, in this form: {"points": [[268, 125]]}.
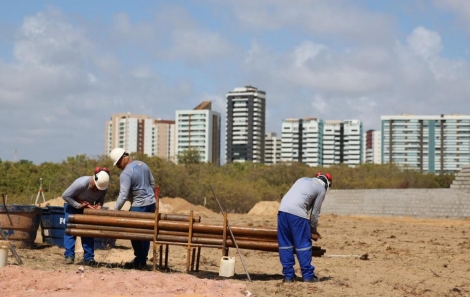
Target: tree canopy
{"points": [[239, 186]]}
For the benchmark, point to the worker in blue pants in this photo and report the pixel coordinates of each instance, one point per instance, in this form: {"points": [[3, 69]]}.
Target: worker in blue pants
{"points": [[295, 229], [84, 192]]}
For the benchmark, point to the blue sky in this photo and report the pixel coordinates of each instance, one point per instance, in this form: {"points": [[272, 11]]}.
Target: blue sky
{"points": [[67, 66]]}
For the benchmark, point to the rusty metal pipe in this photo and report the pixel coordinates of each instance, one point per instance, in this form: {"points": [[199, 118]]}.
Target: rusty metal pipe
{"points": [[170, 225], [260, 246], [264, 246], [163, 232], [139, 215]]}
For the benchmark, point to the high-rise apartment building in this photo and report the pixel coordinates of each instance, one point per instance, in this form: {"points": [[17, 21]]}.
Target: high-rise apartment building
{"points": [[140, 133], [245, 126], [371, 148], [165, 135], [272, 148], [199, 129], [291, 140], [302, 141], [312, 142], [434, 144], [342, 142]]}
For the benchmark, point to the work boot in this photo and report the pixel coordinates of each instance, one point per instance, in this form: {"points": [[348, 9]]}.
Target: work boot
{"points": [[91, 263], [134, 265], [314, 279], [69, 260], [288, 280]]}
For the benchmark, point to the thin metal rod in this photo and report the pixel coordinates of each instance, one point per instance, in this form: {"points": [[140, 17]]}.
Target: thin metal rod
{"points": [[231, 234], [155, 229]]}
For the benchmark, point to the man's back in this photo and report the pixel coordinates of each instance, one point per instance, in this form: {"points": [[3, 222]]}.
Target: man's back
{"points": [[302, 195]]}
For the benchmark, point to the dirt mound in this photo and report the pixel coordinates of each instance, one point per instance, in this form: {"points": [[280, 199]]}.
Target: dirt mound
{"points": [[53, 202], [170, 205], [94, 282], [181, 206], [265, 208]]}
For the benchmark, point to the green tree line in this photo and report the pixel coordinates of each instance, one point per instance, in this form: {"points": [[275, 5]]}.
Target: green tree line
{"points": [[239, 186]]}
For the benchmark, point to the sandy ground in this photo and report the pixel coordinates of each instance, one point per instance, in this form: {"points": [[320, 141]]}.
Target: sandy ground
{"points": [[405, 257]]}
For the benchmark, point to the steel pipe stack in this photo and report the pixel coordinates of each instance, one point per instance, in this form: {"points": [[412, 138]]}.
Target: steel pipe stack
{"points": [[172, 229]]}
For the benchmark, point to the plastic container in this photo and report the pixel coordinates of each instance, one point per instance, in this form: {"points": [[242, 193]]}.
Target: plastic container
{"points": [[4, 255], [53, 229], [227, 266], [53, 225]]}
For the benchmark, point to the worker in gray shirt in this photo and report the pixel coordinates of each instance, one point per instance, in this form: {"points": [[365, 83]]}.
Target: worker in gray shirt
{"points": [[84, 192], [295, 229], [137, 185]]}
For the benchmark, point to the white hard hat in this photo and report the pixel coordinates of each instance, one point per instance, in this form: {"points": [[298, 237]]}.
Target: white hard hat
{"points": [[101, 180], [116, 154]]}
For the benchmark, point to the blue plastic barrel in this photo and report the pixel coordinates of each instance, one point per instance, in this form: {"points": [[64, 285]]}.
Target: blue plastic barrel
{"points": [[20, 224], [53, 229], [53, 225]]}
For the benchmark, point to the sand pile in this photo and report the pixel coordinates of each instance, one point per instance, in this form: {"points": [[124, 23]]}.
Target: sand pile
{"points": [[181, 206], [265, 208], [166, 205], [170, 205], [53, 202]]}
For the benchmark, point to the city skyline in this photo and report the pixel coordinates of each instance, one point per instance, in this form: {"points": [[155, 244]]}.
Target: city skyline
{"points": [[67, 67]]}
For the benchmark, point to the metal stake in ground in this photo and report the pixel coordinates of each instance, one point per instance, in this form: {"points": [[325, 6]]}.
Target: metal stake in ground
{"points": [[231, 235]]}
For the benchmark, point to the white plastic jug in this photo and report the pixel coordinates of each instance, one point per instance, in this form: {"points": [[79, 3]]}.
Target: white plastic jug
{"points": [[4, 255], [227, 266]]}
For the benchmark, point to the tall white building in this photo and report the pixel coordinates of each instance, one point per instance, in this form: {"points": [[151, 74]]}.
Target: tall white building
{"points": [[272, 148], [291, 140], [342, 142], [302, 141], [165, 135], [312, 142], [140, 133], [435, 144], [372, 147], [199, 129], [245, 127]]}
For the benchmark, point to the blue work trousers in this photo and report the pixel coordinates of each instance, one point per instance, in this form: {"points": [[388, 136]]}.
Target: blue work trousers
{"points": [[141, 247], [88, 243], [294, 234]]}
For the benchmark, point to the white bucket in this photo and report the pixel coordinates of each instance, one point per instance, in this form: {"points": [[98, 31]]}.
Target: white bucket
{"points": [[227, 266], [4, 255]]}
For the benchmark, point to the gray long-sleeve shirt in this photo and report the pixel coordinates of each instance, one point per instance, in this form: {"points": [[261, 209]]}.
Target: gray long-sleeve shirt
{"points": [[136, 184], [306, 195], [80, 189]]}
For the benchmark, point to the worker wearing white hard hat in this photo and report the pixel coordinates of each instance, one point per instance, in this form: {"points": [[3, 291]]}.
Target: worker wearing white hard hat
{"points": [[137, 185], [84, 192]]}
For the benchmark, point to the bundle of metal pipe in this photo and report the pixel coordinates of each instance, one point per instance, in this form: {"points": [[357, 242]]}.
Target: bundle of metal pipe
{"points": [[173, 229]]}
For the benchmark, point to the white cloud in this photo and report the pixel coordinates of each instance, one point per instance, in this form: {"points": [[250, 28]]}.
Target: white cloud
{"points": [[461, 8], [62, 85], [425, 43], [323, 17], [328, 59], [361, 83]]}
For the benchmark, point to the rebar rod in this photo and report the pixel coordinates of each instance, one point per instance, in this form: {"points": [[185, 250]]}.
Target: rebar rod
{"points": [[231, 234]]}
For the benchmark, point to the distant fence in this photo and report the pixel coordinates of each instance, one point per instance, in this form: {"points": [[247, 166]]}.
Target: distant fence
{"points": [[421, 203]]}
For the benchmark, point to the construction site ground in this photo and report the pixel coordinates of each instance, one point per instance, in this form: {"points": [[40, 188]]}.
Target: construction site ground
{"points": [[366, 256]]}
